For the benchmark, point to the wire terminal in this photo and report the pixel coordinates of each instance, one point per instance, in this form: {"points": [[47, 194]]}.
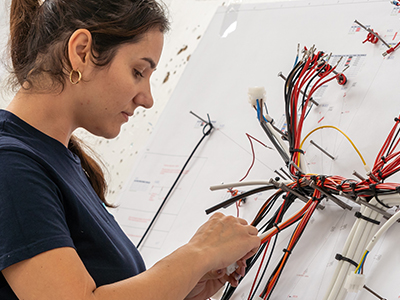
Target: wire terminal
{"points": [[354, 282], [256, 93]]}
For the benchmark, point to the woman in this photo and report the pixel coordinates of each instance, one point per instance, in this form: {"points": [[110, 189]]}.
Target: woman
{"points": [[87, 64]]}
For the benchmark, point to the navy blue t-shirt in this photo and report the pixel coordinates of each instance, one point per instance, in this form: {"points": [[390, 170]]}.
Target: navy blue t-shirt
{"points": [[47, 202]]}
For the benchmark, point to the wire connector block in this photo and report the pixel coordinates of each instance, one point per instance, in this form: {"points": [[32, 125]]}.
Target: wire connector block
{"points": [[354, 282], [256, 93]]}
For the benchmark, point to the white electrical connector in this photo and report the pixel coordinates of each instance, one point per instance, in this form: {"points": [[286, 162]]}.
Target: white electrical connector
{"points": [[354, 282], [256, 93], [231, 268]]}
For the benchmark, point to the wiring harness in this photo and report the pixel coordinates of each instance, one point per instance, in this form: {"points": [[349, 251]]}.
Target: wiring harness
{"points": [[372, 193]]}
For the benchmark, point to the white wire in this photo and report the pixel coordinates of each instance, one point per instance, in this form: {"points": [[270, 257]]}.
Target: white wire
{"points": [[354, 245], [243, 183], [361, 233], [382, 230]]}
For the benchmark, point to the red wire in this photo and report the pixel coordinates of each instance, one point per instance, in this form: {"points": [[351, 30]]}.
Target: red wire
{"points": [[253, 154]]}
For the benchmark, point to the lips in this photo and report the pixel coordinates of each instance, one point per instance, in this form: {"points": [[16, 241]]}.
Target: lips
{"points": [[126, 115]]}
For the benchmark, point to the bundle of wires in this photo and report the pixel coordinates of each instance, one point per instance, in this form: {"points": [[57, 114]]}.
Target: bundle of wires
{"points": [[309, 74]]}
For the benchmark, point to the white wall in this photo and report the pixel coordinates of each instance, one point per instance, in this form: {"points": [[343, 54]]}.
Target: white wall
{"points": [[189, 20]]}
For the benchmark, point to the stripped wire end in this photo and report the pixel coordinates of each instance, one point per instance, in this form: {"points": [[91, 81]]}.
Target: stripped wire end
{"points": [[396, 3], [388, 51]]}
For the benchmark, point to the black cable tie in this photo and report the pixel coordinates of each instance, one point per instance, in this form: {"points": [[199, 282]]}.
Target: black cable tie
{"points": [[360, 215], [340, 257], [277, 227], [396, 119], [292, 150], [380, 174], [340, 187], [287, 251], [373, 189], [322, 179], [353, 187], [383, 159]]}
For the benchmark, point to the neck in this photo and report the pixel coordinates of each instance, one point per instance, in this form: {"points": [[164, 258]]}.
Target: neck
{"points": [[47, 112]]}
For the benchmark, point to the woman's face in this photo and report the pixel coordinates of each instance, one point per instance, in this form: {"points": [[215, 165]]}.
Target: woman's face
{"points": [[110, 95]]}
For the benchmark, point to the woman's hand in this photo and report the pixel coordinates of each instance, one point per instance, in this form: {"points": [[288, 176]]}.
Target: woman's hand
{"points": [[223, 240], [213, 281]]}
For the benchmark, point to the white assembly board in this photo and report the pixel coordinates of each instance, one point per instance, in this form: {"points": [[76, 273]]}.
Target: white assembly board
{"points": [[248, 45]]}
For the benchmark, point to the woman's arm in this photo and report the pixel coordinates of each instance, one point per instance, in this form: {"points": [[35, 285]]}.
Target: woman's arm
{"points": [[60, 274]]}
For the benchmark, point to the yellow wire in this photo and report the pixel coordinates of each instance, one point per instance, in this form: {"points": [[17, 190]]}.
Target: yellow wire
{"points": [[362, 259], [333, 127]]}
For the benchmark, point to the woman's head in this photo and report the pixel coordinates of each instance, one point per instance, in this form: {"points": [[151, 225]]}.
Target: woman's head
{"points": [[40, 32]]}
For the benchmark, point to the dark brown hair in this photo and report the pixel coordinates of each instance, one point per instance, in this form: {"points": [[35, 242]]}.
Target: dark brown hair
{"points": [[39, 35]]}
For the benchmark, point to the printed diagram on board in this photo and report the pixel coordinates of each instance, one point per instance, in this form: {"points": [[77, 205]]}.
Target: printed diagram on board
{"points": [[151, 186]]}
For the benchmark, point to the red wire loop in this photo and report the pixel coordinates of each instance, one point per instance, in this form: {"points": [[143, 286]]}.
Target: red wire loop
{"points": [[372, 38], [341, 79]]}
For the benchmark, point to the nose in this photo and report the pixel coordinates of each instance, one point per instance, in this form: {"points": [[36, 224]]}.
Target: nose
{"points": [[145, 97]]}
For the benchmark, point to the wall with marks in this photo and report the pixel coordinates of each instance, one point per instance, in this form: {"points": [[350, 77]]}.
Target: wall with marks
{"points": [[189, 20]]}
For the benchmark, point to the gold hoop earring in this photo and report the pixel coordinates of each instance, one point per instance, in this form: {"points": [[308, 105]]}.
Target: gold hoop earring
{"points": [[79, 76]]}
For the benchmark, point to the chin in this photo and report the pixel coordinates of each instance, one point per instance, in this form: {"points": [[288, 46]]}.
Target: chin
{"points": [[107, 134]]}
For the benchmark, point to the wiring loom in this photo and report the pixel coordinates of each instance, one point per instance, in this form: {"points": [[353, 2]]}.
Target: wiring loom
{"points": [[373, 194]]}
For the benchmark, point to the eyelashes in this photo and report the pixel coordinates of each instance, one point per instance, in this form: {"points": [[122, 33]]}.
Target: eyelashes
{"points": [[138, 74]]}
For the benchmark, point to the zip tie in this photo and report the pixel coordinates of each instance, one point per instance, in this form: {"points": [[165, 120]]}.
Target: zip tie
{"points": [[360, 215], [297, 150], [340, 257], [373, 189], [277, 227], [287, 251]]}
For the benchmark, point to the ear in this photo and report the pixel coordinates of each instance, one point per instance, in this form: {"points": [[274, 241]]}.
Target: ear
{"points": [[79, 49]]}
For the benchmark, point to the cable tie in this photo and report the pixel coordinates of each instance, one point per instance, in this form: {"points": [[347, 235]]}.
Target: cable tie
{"points": [[353, 188], [380, 174], [340, 257], [287, 251], [383, 159], [277, 227], [396, 119], [297, 150], [360, 215], [373, 189]]}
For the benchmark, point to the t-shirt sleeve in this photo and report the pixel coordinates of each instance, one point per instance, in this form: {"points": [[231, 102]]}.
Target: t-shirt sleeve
{"points": [[32, 217]]}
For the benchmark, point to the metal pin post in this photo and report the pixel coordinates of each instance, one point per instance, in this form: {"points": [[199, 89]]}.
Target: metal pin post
{"points": [[370, 31], [322, 150], [358, 175], [373, 293], [378, 210], [287, 189], [331, 197]]}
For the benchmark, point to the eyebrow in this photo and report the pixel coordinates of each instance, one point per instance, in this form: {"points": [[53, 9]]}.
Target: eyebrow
{"points": [[150, 61]]}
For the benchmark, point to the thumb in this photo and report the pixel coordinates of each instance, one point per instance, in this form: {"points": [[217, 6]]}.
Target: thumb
{"points": [[214, 274]]}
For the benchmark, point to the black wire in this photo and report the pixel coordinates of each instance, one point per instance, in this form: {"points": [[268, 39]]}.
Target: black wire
{"points": [[284, 264], [232, 200], [391, 144], [252, 260], [265, 267], [176, 181]]}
